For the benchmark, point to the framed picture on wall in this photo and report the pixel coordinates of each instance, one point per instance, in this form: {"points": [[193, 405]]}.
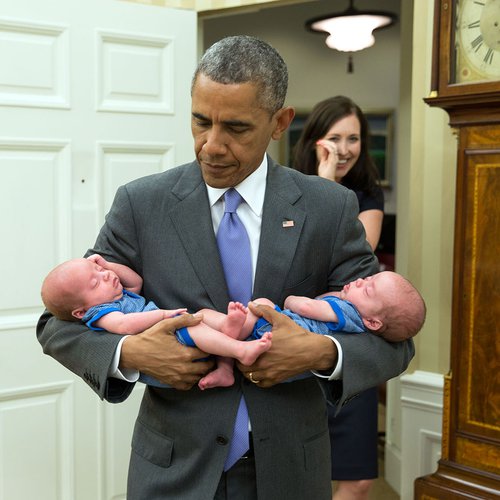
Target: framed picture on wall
{"points": [[381, 140], [291, 137]]}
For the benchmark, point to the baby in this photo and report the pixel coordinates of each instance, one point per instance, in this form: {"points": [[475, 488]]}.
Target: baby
{"points": [[104, 296], [385, 304]]}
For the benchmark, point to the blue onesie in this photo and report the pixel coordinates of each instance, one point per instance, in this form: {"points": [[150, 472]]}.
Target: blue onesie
{"points": [[129, 303]]}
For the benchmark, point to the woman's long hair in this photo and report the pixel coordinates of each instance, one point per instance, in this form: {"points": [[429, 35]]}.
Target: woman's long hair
{"points": [[364, 175]]}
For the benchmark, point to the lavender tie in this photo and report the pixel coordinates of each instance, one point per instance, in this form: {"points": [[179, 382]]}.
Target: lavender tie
{"points": [[234, 249]]}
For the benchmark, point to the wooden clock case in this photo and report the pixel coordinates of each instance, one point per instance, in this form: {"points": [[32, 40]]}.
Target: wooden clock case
{"points": [[470, 458]]}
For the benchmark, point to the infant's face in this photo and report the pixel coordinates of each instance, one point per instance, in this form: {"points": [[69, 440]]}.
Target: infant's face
{"points": [[369, 295], [96, 285]]}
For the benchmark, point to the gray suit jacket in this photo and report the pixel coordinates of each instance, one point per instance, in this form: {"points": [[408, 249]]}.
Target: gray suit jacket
{"points": [[161, 226]]}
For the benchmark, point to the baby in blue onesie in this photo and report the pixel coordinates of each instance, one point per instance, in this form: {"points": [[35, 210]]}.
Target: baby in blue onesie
{"points": [[104, 295], [384, 304]]}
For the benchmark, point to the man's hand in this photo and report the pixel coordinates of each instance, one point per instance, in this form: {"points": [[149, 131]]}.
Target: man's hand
{"points": [[294, 350], [157, 352]]}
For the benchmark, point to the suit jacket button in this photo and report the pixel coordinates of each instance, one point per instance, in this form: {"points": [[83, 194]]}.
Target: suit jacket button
{"points": [[222, 440]]}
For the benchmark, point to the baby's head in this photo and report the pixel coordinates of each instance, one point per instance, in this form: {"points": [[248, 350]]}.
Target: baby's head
{"points": [[389, 305], [74, 286]]}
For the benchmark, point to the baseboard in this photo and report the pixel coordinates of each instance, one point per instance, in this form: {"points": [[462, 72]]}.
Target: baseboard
{"points": [[421, 425], [392, 467]]}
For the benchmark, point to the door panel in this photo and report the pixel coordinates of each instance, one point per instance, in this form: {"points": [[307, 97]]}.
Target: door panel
{"points": [[92, 95]]}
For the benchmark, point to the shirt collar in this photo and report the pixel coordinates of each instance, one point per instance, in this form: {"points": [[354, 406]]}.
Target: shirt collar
{"points": [[252, 189]]}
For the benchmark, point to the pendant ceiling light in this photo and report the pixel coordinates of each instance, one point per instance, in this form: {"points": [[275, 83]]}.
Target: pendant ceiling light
{"points": [[352, 29]]}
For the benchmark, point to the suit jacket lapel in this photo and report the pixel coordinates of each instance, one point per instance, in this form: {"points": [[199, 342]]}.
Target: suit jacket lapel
{"points": [[193, 222], [282, 223]]}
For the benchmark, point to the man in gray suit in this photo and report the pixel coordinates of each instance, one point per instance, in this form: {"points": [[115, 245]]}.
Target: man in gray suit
{"points": [[305, 239]]}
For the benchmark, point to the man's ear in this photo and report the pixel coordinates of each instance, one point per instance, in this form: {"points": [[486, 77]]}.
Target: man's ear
{"points": [[78, 313], [373, 324], [283, 119]]}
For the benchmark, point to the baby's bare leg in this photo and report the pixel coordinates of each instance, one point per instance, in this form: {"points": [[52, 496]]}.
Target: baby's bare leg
{"points": [[230, 323], [222, 376], [235, 319], [245, 352], [223, 343]]}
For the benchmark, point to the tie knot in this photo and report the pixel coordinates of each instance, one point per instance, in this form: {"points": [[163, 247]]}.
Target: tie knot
{"points": [[232, 200]]}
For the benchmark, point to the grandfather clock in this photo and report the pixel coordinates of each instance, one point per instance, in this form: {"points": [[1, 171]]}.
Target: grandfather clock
{"points": [[466, 83]]}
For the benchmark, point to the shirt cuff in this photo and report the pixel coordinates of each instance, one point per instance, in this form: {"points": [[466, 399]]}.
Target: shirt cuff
{"points": [[337, 372], [127, 374]]}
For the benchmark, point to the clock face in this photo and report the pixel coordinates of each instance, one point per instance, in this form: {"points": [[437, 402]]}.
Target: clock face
{"points": [[477, 40]]}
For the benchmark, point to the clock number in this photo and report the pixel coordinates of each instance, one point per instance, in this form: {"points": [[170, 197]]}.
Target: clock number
{"points": [[477, 42], [488, 58], [473, 25]]}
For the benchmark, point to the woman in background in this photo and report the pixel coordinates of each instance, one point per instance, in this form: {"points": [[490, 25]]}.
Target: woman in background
{"points": [[334, 145]]}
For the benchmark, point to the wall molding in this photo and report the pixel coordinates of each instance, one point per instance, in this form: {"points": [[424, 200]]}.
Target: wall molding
{"points": [[421, 417]]}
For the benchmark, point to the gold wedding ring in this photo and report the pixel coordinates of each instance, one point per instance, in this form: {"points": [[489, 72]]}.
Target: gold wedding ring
{"points": [[251, 378]]}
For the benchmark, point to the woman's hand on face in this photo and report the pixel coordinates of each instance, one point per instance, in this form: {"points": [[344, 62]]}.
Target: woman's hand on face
{"points": [[326, 152]]}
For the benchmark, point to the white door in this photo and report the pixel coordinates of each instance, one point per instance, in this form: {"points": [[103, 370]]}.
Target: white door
{"points": [[92, 94]]}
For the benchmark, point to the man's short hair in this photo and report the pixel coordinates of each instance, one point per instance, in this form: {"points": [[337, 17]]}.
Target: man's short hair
{"points": [[243, 59]]}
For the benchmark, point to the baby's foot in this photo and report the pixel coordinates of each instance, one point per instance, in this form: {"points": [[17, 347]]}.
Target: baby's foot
{"points": [[236, 315], [252, 349], [220, 377]]}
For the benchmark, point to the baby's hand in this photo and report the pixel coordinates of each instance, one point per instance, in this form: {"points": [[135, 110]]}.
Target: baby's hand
{"points": [[99, 260], [170, 313]]}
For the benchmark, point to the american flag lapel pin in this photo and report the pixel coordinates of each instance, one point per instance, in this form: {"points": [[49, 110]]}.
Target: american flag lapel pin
{"points": [[288, 223]]}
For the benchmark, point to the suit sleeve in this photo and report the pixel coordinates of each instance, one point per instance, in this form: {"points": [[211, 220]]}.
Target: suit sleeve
{"points": [[86, 353], [368, 361]]}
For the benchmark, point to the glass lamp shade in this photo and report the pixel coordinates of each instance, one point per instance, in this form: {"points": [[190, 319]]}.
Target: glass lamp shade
{"points": [[351, 30]]}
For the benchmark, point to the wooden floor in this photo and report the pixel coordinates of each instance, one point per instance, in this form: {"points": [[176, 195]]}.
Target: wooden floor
{"points": [[381, 490]]}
